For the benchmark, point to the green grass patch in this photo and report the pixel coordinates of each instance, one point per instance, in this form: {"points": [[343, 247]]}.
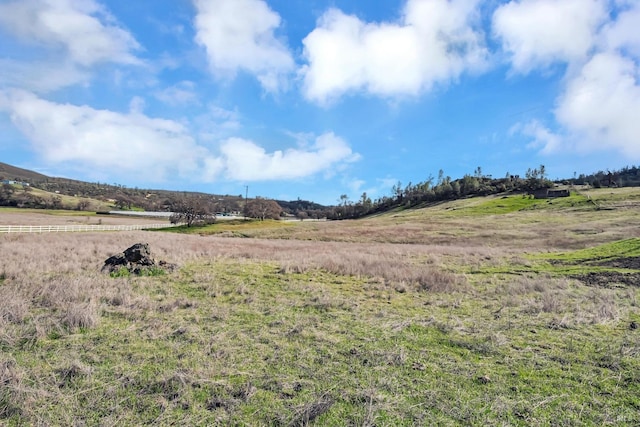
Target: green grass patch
{"points": [[242, 343], [510, 204], [612, 264], [628, 248], [144, 272]]}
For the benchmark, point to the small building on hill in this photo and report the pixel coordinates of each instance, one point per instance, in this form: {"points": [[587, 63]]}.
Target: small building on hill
{"points": [[12, 182], [545, 193]]}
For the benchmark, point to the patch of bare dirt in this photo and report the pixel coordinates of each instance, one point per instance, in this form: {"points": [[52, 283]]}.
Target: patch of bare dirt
{"points": [[630, 263], [608, 278]]}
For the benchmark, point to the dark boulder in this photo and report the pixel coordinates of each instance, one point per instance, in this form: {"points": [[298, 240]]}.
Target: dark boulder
{"points": [[139, 254], [136, 259]]}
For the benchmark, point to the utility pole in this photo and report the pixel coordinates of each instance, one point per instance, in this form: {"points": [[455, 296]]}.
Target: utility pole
{"points": [[246, 196]]}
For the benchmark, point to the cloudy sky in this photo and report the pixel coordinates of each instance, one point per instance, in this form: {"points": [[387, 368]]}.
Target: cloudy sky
{"points": [[316, 98]]}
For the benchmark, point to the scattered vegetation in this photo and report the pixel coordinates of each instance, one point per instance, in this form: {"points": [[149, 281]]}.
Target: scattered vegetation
{"points": [[231, 227], [192, 210], [445, 189], [146, 272], [481, 320], [59, 193], [45, 192], [262, 209]]}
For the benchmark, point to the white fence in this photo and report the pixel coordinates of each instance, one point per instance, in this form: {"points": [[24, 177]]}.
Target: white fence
{"points": [[76, 228]]}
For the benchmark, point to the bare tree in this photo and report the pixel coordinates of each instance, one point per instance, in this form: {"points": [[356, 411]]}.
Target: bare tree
{"points": [[55, 202], [123, 202], [192, 210], [263, 209], [83, 205]]}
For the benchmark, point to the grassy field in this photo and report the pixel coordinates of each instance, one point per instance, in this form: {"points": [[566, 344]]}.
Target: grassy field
{"points": [[492, 311], [17, 216]]}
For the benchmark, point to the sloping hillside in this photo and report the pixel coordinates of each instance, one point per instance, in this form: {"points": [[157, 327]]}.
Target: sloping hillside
{"points": [[63, 193], [14, 173], [595, 216]]}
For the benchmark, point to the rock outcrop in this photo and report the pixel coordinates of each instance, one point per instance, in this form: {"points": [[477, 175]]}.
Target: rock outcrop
{"points": [[137, 260]]}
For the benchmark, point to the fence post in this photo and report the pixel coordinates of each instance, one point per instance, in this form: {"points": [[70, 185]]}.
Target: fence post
{"points": [[78, 228]]}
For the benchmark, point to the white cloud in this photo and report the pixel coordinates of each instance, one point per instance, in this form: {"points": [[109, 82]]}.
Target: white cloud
{"points": [[182, 93], [41, 77], [598, 108], [381, 187], [153, 149], [543, 138], [355, 185], [435, 42], [137, 105], [624, 32], [239, 35], [216, 123], [537, 33], [246, 161], [83, 29], [130, 143], [230, 117], [601, 105]]}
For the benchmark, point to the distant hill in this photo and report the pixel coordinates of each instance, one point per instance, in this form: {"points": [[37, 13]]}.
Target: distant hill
{"points": [[15, 173], [298, 205], [402, 197], [65, 193]]}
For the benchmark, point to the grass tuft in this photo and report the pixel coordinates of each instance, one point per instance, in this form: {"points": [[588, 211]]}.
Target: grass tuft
{"points": [[11, 378], [307, 413], [82, 315], [74, 371]]}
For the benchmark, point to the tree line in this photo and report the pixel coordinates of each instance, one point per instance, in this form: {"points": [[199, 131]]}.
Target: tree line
{"points": [[628, 176], [201, 207], [471, 185], [202, 210], [441, 189]]}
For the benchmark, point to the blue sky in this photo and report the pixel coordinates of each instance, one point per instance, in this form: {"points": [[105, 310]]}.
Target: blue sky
{"points": [[316, 98]]}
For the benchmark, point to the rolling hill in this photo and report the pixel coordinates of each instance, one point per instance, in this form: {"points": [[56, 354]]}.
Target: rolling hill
{"points": [[9, 172]]}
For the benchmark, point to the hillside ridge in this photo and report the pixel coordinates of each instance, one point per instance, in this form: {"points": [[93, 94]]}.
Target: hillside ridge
{"points": [[15, 173]]}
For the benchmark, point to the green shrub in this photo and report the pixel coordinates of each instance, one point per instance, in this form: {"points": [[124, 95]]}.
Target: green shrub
{"points": [[146, 272], [121, 272], [152, 271]]}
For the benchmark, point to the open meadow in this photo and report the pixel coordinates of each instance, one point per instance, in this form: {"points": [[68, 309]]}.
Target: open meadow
{"points": [[485, 311], [16, 216]]}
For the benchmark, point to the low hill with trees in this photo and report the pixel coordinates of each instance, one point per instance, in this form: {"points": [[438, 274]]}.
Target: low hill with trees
{"points": [[14, 173], [444, 189], [18, 184], [19, 188]]}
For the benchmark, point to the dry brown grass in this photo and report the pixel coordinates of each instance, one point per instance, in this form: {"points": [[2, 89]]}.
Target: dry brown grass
{"points": [[15, 306], [525, 231], [11, 388], [80, 315], [53, 295], [396, 264], [53, 284], [34, 217]]}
